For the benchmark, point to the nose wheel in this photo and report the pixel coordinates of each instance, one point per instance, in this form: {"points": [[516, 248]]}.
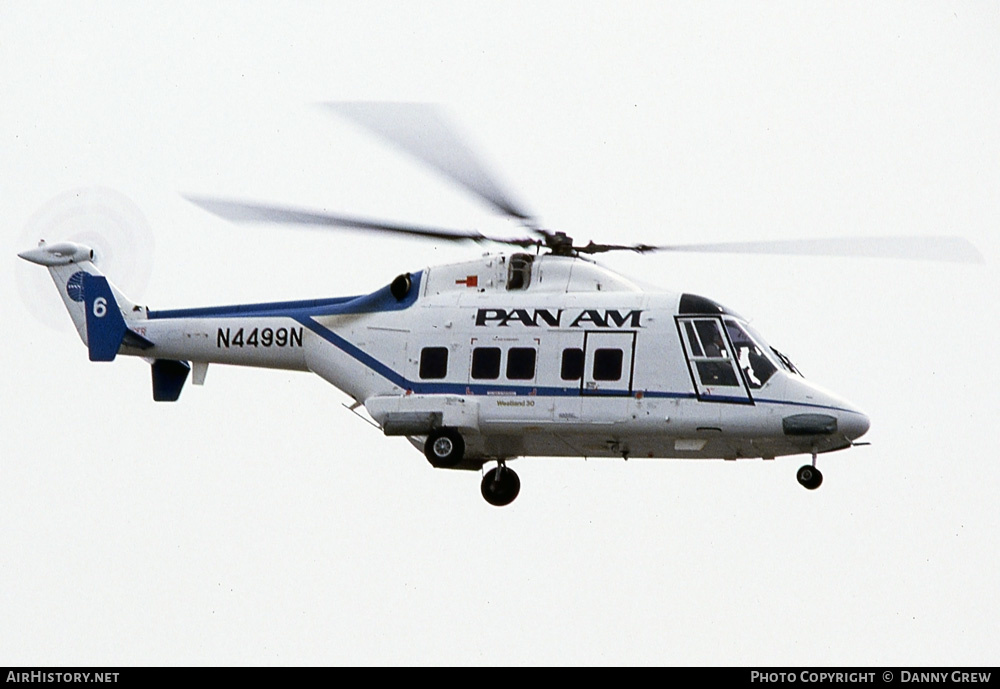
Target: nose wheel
{"points": [[809, 476], [500, 485]]}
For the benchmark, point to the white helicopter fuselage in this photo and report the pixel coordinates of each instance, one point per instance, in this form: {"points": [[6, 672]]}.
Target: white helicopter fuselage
{"points": [[510, 356], [579, 361]]}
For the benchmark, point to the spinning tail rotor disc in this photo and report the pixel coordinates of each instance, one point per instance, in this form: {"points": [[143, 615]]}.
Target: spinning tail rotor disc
{"points": [[103, 219]]}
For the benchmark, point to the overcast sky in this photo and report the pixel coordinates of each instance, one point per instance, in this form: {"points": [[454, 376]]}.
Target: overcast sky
{"points": [[257, 521]]}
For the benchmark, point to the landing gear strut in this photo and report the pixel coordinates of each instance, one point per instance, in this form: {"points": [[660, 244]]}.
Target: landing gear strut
{"points": [[500, 485], [809, 476]]}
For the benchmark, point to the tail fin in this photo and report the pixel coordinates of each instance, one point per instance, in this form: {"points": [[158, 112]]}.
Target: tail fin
{"points": [[99, 311], [106, 329]]}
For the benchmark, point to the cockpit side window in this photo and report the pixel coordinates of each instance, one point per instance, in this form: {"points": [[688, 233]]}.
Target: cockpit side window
{"points": [[709, 352], [712, 360], [693, 339], [711, 339], [756, 365]]}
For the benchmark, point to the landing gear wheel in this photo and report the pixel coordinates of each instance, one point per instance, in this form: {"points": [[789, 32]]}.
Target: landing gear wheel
{"points": [[810, 477], [500, 486], [444, 448]]}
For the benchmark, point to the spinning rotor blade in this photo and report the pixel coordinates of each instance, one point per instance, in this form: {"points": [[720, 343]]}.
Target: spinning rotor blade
{"points": [[107, 221], [238, 211], [422, 130], [952, 249], [593, 248]]}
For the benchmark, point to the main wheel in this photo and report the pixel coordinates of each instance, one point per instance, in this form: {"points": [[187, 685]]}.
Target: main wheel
{"points": [[810, 477], [500, 486], [444, 448]]}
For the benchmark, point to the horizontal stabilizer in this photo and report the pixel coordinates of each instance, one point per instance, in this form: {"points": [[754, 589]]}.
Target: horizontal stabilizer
{"points": [[134, 339]]}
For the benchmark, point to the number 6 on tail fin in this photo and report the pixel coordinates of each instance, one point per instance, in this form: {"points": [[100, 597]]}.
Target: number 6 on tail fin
{"points": [[106, 329]]}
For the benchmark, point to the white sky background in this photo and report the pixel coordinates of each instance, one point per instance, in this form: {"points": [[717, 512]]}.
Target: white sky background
{"points": [[257, 521]]}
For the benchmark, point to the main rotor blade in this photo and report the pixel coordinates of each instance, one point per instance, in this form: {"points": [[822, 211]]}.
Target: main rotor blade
{"points": [[239, 211], [423, 131], [951, 249], [594, 248]]}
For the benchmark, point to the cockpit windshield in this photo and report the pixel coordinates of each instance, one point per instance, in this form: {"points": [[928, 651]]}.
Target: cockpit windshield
{"points": [[699, 317], [751, 357], [786, 363]]}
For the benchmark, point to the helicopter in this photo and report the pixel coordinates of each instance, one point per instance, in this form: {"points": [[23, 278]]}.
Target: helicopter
{"points": [[538, 351]]}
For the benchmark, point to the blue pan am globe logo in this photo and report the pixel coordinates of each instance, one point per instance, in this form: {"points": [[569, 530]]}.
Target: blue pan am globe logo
{"points": [[74, 286]]}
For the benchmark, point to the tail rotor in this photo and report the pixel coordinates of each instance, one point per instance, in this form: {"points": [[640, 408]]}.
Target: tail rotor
{"points": [[102, 219]]}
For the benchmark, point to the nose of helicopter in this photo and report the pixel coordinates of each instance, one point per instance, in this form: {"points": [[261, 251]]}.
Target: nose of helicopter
{"points": [[853, 423], [831, 415]]}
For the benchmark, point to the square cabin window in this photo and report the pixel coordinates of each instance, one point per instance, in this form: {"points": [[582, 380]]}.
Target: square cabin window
{"points": [[572, 364], [486, 363], [433, 362], [521, 363], [608, 364]]}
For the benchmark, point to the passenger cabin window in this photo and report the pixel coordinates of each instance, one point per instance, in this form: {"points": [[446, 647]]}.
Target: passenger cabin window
{"points": [[486, 363], [521, 363], [519, 271], [608, 364], [572, 364], [433, 362]]}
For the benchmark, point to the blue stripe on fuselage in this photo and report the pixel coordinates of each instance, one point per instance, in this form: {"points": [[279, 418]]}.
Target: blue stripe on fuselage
{"points": [[304, 311], [426, 388], [379, 300]]}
